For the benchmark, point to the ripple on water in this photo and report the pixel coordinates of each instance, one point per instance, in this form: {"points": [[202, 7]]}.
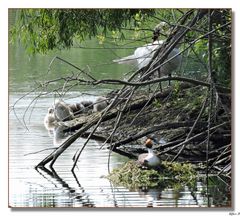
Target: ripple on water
{"points": [[61, 188]]}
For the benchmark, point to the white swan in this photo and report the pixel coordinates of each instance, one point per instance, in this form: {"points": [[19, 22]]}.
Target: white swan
{"points": [[143, 55]]}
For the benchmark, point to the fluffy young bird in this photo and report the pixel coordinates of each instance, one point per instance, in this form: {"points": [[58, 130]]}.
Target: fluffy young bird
{"points": [[62, 111], [50, 120], [100, 104]]}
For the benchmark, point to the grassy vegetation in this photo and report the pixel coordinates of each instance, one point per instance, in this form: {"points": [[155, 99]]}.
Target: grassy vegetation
{"points": [[171, 174]]}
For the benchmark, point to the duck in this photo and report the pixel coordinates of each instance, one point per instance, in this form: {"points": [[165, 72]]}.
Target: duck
{"points": [[150, 159], [100, 104]]}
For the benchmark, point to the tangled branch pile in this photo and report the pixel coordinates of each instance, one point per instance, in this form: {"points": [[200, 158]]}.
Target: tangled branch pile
{"points": [[192, 116]]}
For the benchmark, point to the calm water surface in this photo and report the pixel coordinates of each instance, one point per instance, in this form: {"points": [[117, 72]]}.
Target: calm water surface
{"points": [[61, 188], [29, 187]]}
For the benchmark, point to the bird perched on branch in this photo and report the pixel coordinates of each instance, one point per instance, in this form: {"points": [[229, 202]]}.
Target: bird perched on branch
{"points": [[143, 55], [76, 108], [50, 121], [149, 159], [62, 111], [100, 104]]}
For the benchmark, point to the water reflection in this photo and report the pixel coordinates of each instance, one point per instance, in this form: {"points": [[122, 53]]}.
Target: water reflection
{"points": [[59, 187], [76, 195], [60, 134], [86, 187]]}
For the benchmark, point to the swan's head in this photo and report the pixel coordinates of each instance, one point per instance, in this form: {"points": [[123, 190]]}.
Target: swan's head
{"points": [[162, 26]]}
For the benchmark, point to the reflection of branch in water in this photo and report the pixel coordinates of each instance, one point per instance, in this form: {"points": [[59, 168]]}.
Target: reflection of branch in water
{"points": [[76, 179], [59, 135], [44, 176], [80, 197], [113, 194]]}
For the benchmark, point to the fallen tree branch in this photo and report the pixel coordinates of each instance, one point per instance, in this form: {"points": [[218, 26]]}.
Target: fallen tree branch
{"points": [[155, 128], [192, 128], [222, 89], [194, 137]]}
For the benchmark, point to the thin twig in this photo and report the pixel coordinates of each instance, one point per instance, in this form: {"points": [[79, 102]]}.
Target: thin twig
{"points": [[194, 137], [36, 152], [193, 127], [152, 81], [74, 66]]}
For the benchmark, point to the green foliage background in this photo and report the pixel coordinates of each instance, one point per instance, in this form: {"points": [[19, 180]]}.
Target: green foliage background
{"points": [[41, 30]]}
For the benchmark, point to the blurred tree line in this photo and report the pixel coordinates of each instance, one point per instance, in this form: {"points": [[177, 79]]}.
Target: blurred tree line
{"points": [[41, 30]]}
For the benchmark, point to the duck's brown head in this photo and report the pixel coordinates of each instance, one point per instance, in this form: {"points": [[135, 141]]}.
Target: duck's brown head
{"points": [[149, 143]]}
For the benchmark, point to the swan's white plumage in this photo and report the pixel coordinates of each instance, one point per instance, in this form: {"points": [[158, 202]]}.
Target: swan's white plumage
{"points": [[143, 55]]}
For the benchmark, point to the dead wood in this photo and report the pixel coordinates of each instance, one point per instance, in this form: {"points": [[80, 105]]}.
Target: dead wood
{"points": [[193, 116]]}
